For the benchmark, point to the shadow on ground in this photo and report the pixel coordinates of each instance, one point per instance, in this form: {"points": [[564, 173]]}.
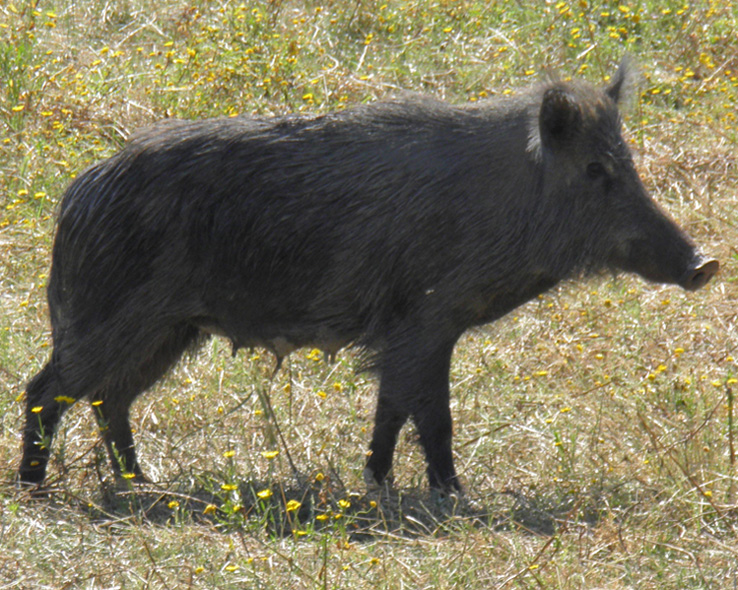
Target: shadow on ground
{"points": [[300, 506]]}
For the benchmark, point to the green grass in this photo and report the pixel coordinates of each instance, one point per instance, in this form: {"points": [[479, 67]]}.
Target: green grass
{"points": [[593, 426]]}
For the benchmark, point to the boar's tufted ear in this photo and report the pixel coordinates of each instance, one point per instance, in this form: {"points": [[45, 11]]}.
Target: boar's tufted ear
{"points": [[560, 116], [624, 82]]}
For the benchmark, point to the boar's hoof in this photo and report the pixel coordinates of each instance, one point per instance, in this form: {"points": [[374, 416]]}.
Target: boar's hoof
{"points": [[369, 479], [33, 489], [124, 483], [371, 482], [450, 500], [700, 274]]}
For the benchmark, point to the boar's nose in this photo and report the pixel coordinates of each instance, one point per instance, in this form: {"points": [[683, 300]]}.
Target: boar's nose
{"points": [[701, 271]]}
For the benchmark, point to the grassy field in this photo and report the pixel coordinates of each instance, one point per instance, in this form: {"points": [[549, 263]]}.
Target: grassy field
{"points": [[595, 427]]}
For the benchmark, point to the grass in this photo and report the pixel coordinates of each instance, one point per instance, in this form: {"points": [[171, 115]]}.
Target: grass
{"points": [[595, 426]]}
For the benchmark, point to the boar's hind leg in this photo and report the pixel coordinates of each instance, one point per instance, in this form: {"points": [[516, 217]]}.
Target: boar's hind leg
{"points": [[45, 404], [83, 368], [415, 383], [112, 403]]}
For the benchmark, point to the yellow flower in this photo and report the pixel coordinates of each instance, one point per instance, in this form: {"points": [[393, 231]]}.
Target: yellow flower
{"points": [[210, 509], [173, 504], [314, 354], [344, 504], [228, 487], [229, 454], [128, 475], [269, 454], [264, 494], [293, 505], [64, 399], [37, 409]]}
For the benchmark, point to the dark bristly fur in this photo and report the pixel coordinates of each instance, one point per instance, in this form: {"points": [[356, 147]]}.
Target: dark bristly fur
{"points": [[392, 227]]}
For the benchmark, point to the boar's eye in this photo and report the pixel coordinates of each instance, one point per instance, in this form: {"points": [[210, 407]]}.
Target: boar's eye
{"points": [[596, 170]]}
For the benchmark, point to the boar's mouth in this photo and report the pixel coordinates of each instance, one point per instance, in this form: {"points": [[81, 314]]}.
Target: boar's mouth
{"points": [[690, 276], [699, 274]]}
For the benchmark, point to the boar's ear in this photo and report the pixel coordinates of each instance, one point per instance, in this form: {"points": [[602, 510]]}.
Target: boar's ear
{"points": [[560, 116], [624, 82]]}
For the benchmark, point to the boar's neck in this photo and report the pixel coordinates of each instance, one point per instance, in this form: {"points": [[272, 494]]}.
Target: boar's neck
{"points": [[515, 242]]}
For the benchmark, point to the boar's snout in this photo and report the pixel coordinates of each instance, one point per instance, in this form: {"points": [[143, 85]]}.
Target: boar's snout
{"points": [[699, 273]]}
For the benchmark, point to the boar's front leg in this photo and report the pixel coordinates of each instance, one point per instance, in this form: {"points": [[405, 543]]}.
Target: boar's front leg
{"points": [[388, 421], [415, 382]]}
